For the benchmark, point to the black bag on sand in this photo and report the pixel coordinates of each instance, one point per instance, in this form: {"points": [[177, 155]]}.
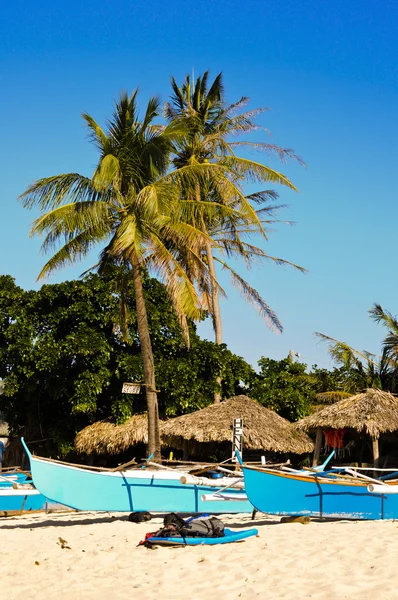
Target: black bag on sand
{"points": [[140, 517]]}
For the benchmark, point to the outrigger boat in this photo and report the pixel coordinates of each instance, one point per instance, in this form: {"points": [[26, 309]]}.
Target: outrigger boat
{"points": [[340, 492], [18, 495], [148, 488]]}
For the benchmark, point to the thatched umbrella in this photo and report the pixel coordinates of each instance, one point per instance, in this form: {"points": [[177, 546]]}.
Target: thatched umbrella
{"points": [[108, 438], [372, 412], [263, 429]]}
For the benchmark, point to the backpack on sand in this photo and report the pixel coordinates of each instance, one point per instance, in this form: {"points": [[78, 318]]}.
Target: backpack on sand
{"points": [[205, 527], [175, 526]]}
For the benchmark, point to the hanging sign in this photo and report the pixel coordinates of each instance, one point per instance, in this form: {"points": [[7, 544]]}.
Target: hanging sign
{"points": [[131, 388], [237, 438]]}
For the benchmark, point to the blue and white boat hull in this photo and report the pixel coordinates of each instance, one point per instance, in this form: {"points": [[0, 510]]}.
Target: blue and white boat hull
{"points": [[21, 500], [128, 491], [18, 495], [281, 493], [13, 477]]}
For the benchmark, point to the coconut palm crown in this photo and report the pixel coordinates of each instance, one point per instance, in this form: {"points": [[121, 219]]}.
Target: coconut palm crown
{"points": [[210, 124]]}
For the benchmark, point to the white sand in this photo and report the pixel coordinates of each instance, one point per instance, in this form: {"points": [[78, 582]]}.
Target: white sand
{"points": [[330, 560]]}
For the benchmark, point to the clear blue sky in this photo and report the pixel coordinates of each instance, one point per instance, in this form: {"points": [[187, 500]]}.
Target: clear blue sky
{"points": [[328, 70]]}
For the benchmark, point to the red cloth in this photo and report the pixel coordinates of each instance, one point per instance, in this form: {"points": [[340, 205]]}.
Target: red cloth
{"points": [[334, 437]]}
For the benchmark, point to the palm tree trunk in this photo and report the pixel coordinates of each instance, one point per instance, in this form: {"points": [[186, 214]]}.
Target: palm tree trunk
{"points": [[216, 314], [148, 363]]}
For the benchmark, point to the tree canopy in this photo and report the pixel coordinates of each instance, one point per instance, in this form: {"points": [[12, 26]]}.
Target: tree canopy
{"points": [[64, 361], [285, 387]]}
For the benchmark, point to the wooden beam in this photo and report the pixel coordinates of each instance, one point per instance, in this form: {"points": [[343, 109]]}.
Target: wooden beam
{"points": [[375, 447], [318, 446]]}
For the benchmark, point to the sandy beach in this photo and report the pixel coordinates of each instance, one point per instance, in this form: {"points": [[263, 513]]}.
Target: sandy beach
{"points": [[98, 557]]}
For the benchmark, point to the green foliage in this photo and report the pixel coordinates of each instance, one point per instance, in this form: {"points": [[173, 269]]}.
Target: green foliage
{"points": [[64, 361], [54, 355], [327, 381], [188, 379], [284, 386]]}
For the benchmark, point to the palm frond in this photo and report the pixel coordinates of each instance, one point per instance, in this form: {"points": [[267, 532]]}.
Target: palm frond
{"points": [[178, 285], [97, 135], [50, 192], [252, 296], [283, 153], [107, 174], [67, 221], [244, 101], [343, 351], [264, 196], [74, 250], [255, 171]]}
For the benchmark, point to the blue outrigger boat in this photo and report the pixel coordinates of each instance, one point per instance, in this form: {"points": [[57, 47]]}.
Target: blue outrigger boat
{"points": [[17, 494], [9, 478], [133, 490], [339, 493]]}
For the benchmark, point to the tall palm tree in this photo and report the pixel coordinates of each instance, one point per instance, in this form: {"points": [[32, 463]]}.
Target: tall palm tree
{"points": [[132, 206], [209, 124]]}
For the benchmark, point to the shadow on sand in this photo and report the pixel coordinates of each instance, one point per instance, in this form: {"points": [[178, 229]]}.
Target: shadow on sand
{"points": [[69, 519], [72, 518]]}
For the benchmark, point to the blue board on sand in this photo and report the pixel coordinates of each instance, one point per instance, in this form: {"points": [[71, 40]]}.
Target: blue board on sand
{"points": [[229, 536]]}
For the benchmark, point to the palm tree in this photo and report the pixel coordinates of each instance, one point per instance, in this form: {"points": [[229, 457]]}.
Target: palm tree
{"points": [[363, 369], [209, 125], [132, 205], [390, 342]]}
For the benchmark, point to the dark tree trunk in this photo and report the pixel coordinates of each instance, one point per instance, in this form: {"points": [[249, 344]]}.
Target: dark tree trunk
{"points": [[215, 309], [148, 364]]}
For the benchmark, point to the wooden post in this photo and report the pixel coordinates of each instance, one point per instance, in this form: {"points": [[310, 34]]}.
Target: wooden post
{"points": [[375, 447], [318, 445], [185, 452]]}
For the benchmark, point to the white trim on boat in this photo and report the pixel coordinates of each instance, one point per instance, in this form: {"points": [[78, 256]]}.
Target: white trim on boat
{"points": [[19, 492], [158, 474]]}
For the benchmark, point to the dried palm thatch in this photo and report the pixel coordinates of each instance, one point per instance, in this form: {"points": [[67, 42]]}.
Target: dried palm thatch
{"points": [[325, 398], [134, 431], [372, 412], [108, 438], [263, 429], [331, 397]]}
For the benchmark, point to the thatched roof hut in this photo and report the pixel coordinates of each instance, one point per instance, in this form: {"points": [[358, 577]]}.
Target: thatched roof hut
{"points": [[263, 429], [372, 411], [108, 438]]}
